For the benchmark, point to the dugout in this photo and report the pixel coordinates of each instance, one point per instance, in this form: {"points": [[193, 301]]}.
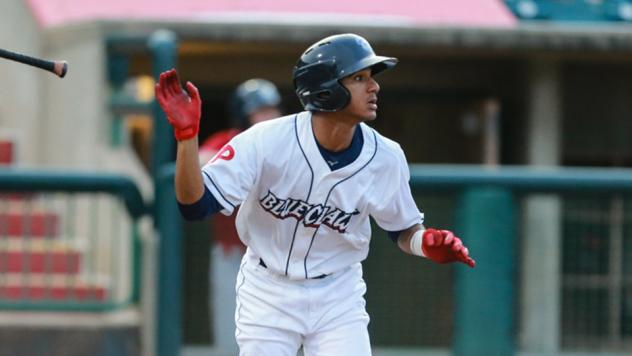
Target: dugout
{"points": [[447, 84]]}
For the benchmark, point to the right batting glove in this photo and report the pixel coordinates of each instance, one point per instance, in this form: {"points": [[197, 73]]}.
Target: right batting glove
{"points": [[183, 108], [442, 246]]}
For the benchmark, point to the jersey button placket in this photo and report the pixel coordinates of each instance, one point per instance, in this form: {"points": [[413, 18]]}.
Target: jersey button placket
{"points": [[318, 197]]}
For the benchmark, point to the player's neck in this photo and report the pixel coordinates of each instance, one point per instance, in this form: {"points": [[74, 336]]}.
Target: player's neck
{"points": [[333, 133]]}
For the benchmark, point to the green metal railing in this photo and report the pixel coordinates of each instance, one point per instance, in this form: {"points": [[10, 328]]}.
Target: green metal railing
{"points": [[69, 240], [521, 179], [487, 214], [27, 180]]}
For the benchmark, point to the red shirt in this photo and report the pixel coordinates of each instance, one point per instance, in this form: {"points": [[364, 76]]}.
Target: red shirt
{"points": [[222, 226]]}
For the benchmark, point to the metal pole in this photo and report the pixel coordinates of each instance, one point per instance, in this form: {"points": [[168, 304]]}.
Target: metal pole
{"points": [[163, 45]]}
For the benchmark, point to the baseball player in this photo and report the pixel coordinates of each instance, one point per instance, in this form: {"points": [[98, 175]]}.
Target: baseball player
{"points": [[253, 101], [307, 184]]}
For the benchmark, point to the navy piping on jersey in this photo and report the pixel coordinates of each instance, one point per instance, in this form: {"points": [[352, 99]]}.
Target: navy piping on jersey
{"points": [[204, 207], [337, 160], [329, 194], [309, 192], [219, 191]]}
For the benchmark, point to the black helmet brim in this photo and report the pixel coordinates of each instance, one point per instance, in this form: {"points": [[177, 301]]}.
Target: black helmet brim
{"points": [[376, 63]]}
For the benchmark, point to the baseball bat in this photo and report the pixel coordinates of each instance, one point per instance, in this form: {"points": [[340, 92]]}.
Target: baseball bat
{"points": [[59, 68]]}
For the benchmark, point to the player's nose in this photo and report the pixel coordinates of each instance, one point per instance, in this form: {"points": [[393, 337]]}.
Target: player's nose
{"points": [[374, 87]]}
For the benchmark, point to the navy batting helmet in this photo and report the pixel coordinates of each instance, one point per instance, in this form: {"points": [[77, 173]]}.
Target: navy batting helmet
{"points": [[251, 96], [319, 70]]}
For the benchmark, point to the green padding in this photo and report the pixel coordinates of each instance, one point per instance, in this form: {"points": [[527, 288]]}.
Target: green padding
{"points": [[484, 322]]}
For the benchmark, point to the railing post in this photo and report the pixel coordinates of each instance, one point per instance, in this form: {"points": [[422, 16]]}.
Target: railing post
{"points": [[485, 295], [166, 217], [163, 45], [169, 281], [118, 70]]}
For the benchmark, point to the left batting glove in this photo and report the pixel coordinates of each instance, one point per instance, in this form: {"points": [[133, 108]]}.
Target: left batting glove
{"points": [[183, 108], [442, 246]]}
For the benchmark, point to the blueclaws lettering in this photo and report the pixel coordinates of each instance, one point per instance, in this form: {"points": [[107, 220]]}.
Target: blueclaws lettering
{"points": [[312, 215]]}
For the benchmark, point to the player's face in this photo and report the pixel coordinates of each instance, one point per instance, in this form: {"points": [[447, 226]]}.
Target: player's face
{"points": [[363, 89]]}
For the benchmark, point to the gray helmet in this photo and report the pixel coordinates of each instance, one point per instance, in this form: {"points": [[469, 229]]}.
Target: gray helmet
{"points": [[250, 96], [318, 72]]}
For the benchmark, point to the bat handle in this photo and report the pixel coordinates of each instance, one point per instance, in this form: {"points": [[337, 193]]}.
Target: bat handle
{"points": [[60, 68]]}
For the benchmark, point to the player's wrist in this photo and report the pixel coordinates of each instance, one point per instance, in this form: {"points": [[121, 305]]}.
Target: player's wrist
{"points": [[416, 243], [183, 131], [185, 134]]}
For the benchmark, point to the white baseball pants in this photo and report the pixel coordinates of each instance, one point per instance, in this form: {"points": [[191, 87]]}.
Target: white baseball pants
{"points": [[275, 315]]}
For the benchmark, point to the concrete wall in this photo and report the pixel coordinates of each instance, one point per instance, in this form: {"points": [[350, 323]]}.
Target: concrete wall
{"points": [[59, 123], [21, 86], [76, 125], [74, 120]]}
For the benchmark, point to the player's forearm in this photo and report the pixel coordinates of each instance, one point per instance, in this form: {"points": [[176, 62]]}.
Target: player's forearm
{"points": [[188, 180], [404, 238]]}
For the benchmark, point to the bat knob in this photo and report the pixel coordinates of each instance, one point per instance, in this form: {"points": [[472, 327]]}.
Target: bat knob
{"points": [[61, 67]]}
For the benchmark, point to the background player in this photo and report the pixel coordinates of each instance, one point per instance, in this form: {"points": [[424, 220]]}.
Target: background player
{"points": [[307, 184], [253, 101]]}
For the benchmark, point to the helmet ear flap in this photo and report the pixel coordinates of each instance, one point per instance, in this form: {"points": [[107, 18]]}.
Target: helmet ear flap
{"points": [[339, 97], [313, 93], [331, 97]]}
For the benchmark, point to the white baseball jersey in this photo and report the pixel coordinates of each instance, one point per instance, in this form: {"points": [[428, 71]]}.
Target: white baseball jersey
{"points": [[300, 217]]}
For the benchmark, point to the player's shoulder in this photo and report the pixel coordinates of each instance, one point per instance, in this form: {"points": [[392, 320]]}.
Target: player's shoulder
{"points": [[273, 125], [265, 131], [385, 146]]}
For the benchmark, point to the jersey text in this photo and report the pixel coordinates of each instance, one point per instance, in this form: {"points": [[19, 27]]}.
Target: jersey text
{"points": [[312, 215]]}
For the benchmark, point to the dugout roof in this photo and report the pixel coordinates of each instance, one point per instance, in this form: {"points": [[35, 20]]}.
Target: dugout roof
{"points": [[433, 24], [399, 13]]}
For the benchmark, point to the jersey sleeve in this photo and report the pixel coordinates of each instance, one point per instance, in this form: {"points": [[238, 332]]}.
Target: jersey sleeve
{"points": [[397, 210], [232, 172]]}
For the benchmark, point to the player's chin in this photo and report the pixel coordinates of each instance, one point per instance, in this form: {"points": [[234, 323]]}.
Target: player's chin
{"points": [[370, 115]]}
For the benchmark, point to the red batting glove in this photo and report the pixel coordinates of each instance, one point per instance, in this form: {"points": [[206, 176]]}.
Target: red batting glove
{"points": [[183, 108], [442, 246]]}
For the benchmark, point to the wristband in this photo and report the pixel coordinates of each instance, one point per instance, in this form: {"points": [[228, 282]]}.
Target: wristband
{"points": [[185, 134], [416, 241]]}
